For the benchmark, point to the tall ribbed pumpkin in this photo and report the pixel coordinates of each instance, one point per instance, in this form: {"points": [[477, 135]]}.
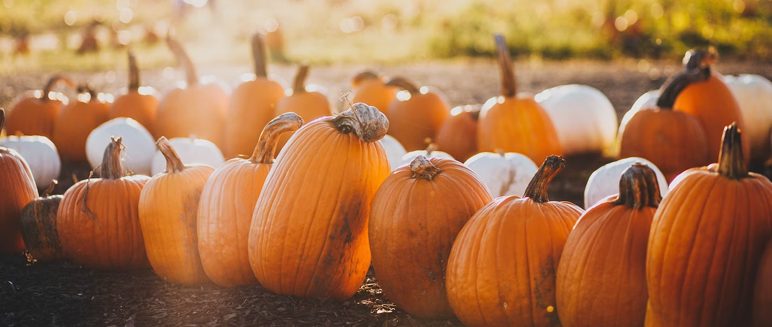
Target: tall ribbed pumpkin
{"points": [[501, 270], [512, 122], [138, 103], [706, 242], [167, 212], [371, 89], [227, 203], [97, 220], [415, 217], [415, 117], [35, 113], [76, 122], [601, 277], [309, 228]]}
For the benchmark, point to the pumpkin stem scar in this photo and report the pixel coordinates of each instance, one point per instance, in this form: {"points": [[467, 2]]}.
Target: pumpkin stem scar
{"points": [[423, 168], [265, 151], [537, 188], [730, 159], [638, 187]]}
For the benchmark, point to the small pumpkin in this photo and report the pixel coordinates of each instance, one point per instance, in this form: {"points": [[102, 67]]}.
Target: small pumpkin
{"points": [[505, 258], [371, 89], [503, 173], [458, 135], [394, 151], [604, 181], [754, 95], [191, 151], [39, 153], [226, 206], [416, 114], [416, 214], [309, 105], [76, 122], [515, 122], [762, 291], [137, 140], [35, 112], [430, 152], [38, 226], [139, 102], [168, 207]]}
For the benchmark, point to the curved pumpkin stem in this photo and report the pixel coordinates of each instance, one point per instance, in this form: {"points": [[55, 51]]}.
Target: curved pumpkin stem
{"points": [[182, 57], [85, 88], [638, 187], [53, 82], [367, 122], [50, 189], [422, 167], [363, 76], [112, 168], [173, 162], [696, 69], [506, 69], [299, 85], [258, 56], [133, 73], [405, 84], [265, 150], [700, 58], [730, 159], [537, 188]]}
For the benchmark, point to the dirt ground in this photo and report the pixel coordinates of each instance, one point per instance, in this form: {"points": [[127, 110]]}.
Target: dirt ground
{"points": [[64, 294]]}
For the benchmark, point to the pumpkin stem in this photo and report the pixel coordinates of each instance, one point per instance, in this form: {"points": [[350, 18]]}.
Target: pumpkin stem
{"points": [[696, 69], [730, 159], [367, 122], [50, 189], [182, 58], [173, 162], [2, 119], [133, 73], [52, 82], [430, 147], [363, 76], [422, 167], [537, 188], [84, 88], [258, 56], [405, 84], [700, 58], [265, 150], [508, 82], [111, 167], [299, 85], [638, 187]]}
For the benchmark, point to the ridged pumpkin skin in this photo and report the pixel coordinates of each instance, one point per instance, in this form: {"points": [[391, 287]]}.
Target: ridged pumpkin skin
{"points": [[706, 242], [309, 229], [415, 217], [137, 103], [75, 123], [501, 270], [226, 206], [416, 120], [168, 207], [458, 135], [371, 89], [38, 225], [762, 291], [35, 113]]}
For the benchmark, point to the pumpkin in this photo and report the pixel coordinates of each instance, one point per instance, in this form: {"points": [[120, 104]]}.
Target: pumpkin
{"points": [[584, 118], [503, 262], [601, 278], [646, 100], [309, 105], [706, 243], [35, 112], [458, 135], [416, 114], [38, 226], [309, 229], [97, 219], [762, 291], [198, 108], [394, 151], [371, 89], [415, 216], [754, 95], [604, 181], [503, 173], [39, 153], [227, 202], [139, 102], [515, 122], [191, 151], [137, 140], [18, 190], [430, 152], [168, 207], [77, 120], [252, 105]]}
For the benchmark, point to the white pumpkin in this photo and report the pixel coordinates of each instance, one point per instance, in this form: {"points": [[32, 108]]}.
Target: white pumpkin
{"points": [[138, 143], [584, 118], [394, 150], [754, 95], [605, 180], [40, 154], [503, 173], [408, 157], [192, 151]]}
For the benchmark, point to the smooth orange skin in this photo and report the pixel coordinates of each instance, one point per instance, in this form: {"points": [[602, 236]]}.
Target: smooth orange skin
{"points": [[140, 107], [32, 116], [501, 270], [458, 136], [706, 242], [224, 217], [375, 92], [111, 239], [308, 105], [762, 292], [73, 126], [18, 189], [251, 107], [417, 119], [168, 207], [601, 277], [309, 228], [517, 124], [413, 224], [197, 110]]}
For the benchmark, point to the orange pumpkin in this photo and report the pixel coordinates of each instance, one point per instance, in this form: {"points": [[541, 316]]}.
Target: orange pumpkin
{"points": [[501, 270], [38, 226], [167, 213], [227, 203], [309, 229], [309, 105], [35, 113], [706, 242], [762, 292], [76, 122], [138, 103], [252, 105], [458, 135], [601, 277], [97, 220], [415, 217], [416, 115], [515, 122], [371, 89]]}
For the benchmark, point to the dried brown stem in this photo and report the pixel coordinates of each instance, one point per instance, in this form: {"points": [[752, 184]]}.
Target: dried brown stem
{"points": [[265, 151]]}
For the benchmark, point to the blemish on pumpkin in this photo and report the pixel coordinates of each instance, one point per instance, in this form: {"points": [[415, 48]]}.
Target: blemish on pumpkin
{"points": [[550, 309]]}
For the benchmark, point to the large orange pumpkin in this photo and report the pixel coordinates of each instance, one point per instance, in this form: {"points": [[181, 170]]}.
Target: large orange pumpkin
{"points": [[514, 122], [97, 220], [76, 122], [38, 226], [309, 105], [309, 229], [706, 243], [252, 105], [458, 135], [35, 113], [601, 277], [227, 203], [167, 212], [415, 217], [762, 291], [371, 89], [501, 270], [416, 115], [138, 103]]}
